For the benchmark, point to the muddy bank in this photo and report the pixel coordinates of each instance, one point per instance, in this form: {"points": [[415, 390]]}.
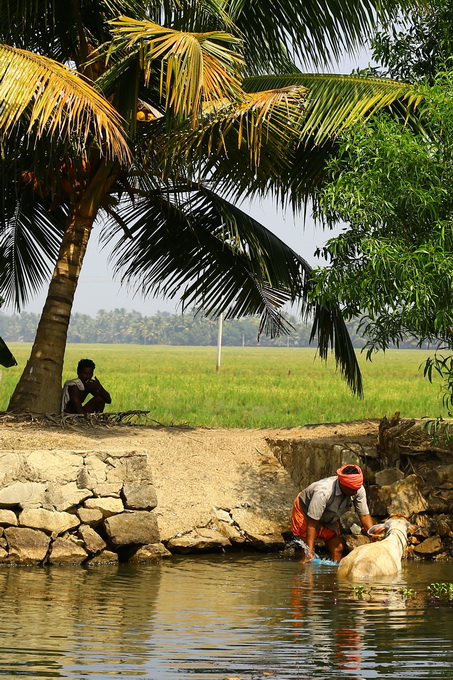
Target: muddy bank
{"points": [[96, 494]]}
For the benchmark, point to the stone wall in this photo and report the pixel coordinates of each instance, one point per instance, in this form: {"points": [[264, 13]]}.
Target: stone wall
{"points": [[71, 507], [422, 490], [74, 507], [92, 507], [307, 460]]}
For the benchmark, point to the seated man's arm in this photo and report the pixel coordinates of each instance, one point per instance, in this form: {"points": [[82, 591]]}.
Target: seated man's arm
{"points": [[96, 389], [75, 398]]}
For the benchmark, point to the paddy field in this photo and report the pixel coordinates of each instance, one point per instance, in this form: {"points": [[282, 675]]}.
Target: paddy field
{"points": [[255, 386]]}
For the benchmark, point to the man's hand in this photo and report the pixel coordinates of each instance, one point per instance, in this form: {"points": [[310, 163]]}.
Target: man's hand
{"points": [[310, 541], [94, 387], [367, 523], [308, 556]]}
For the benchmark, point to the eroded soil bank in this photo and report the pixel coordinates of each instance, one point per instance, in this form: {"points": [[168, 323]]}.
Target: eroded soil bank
{"points": [[234, 484]]}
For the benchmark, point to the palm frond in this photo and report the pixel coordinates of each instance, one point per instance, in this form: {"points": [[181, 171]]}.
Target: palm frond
{"points": [[211, 254], [335, 102], [208, 253], [30, 237], [58, 29], [288, 152], [193, 67], [309, 31], [54, 100], [187, 15], [262, 125], [288, 132], [331, 331]]}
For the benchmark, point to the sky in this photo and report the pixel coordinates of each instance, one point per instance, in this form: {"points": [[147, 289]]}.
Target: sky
{"points": [[98, 290]]}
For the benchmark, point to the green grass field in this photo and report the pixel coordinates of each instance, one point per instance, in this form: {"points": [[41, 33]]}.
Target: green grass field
{"points": [[256, 387]]}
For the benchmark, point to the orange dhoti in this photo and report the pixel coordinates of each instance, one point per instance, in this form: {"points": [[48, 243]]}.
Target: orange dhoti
{"points": [[299, 524]]}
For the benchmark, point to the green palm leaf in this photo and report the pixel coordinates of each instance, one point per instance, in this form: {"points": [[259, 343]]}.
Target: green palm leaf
{"points": [[262, 126], [275, 111], [209, 253], [192, 15], [289, 150], [335, 102], [310, 31], [211, 263], [30, 237], [60, 29]]}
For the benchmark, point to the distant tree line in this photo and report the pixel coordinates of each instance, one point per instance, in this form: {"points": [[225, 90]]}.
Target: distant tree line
{"points": [[123, 327]]}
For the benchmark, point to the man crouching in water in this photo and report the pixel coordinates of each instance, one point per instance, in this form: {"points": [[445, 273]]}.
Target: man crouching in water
{"points": [[318, 508], [76, 390]]}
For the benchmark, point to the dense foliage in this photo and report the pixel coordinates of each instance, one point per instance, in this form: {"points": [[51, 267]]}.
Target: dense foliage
{"points": [[129, 327], [418, 46], [393, 263]]}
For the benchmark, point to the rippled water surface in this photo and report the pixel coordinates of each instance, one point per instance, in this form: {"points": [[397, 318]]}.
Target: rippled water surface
{"points": [[247, 617]]}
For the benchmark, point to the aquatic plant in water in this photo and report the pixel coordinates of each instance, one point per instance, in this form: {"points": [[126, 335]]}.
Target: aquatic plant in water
{"points": [[441, 590], [438, 591], [407, 593], [360, 591]]}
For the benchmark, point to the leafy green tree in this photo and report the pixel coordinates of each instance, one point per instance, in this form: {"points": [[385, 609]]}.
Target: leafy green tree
{"points": [[81, 328], [203, 127], [418, 45], [392, 265], [163, 329]]}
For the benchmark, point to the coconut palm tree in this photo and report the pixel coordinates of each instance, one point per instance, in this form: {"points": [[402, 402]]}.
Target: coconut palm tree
{"points": [[206, 125]]}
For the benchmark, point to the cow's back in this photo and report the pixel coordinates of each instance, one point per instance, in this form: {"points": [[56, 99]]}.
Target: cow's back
{"points": [[370, 561]]}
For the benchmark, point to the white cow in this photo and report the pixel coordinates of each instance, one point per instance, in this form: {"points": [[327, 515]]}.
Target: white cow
{"points": [[377, 559]]}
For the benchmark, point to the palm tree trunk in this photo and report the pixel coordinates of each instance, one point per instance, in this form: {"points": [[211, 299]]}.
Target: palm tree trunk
{"points": [[39, 388]]}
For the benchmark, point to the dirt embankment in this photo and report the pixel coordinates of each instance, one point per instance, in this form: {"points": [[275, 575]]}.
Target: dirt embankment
{"points": [[194, 470], [198, 473]]}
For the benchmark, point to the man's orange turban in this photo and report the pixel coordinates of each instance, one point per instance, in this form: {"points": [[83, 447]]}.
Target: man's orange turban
{"points": [[353, 480]]}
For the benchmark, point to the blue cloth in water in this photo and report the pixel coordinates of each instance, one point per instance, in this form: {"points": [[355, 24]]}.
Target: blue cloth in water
{"points": [[325, 562]]}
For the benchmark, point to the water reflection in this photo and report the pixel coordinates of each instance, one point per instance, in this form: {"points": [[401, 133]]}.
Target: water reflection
{"points": [[250, 617], [69, 622]]}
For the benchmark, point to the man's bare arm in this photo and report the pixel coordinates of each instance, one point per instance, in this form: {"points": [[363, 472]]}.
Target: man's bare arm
{"points": [[95, 388], [366, 521], [311, 535]]}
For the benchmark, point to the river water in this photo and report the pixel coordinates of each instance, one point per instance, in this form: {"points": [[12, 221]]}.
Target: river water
{"points": [[251, 617]]}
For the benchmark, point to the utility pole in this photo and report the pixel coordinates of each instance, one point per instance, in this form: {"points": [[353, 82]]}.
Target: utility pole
{"points": [[219, 342]]}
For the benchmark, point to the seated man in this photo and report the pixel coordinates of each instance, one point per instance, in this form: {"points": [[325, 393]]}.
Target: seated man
{"points": [[318, 508], [76, 390]]}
